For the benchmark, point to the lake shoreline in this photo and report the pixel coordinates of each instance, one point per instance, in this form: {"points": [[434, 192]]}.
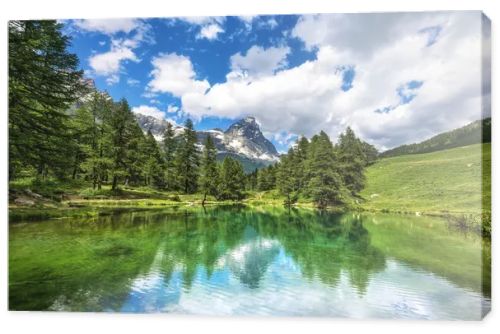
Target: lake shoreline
{"points": [[81, 208], [60, 202]]}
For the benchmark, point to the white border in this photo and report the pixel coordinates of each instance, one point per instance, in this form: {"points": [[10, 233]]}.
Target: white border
{"points": [[117, 323]]}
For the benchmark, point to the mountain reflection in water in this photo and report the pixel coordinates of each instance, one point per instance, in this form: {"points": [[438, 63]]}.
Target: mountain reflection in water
{"points": [[236, 260]]}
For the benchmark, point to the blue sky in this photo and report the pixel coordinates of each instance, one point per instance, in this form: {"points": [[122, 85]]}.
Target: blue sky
{"points": [[210, 56], [395, 78]]}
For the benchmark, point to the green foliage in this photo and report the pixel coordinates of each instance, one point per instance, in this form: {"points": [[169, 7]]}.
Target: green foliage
{"points": [[43, 83], [351, 161], [324, 184], [251, 180], [231, 180], [94, 144], [287, 177], [208, 172], [154, 164], [328, 175], [266, 179], [370, 153], [95, 193], [169, 149], [122, 124], [187, 160]]}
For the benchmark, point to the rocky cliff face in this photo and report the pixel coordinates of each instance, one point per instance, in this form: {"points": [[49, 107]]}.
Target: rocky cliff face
{"points": [[156, 125]]}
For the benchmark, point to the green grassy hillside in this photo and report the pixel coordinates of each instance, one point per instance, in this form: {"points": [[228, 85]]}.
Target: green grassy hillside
{"points": [[475, 132], [439, 182]]}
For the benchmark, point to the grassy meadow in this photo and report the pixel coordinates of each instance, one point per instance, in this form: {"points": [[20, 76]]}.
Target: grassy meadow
{"points": [[442, 182]]}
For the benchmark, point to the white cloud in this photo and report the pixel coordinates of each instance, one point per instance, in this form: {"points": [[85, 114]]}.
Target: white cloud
{"points": [[174, 74], [209, 26], [110, 63], [362, 34], [283, 138], [202, 20], [108, 26], [133, 82], [210, 31], [171, 109], [270, 23], [281, 101], [149, 111], [247, 18], [248, 21], [259, 61], [387, 51], [113, 79]]}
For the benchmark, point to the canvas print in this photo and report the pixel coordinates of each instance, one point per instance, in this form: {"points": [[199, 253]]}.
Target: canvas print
{"points": [[322, 165]]}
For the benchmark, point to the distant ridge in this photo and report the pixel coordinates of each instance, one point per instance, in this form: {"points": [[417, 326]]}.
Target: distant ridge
{"points": [[474, 133]]}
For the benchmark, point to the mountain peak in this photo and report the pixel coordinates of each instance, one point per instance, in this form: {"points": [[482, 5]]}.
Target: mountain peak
{"points": [[247, 131], [249, 119], [242, 139], [245, 127]]}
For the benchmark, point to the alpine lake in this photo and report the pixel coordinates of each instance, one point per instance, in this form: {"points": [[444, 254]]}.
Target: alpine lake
{"points": [[240, 260]]}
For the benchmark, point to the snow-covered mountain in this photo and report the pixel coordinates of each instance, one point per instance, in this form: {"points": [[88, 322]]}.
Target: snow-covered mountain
{"points": [[243, 140], [156, 125]]}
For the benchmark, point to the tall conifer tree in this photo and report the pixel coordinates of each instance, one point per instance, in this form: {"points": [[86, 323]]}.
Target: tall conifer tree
{"points": [[325, 184], [44, 81], [208, 171], [169, 149], [187, 160]]}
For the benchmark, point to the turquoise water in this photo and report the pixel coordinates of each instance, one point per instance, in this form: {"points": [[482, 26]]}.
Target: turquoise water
{"points": [[241, 261]]}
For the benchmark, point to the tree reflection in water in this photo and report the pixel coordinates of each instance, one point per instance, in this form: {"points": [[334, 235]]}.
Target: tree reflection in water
{"points": [[146, 261]]}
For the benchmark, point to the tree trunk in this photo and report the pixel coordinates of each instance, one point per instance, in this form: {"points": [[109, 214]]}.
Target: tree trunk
{"points": [[204, 199], [115, 181]]}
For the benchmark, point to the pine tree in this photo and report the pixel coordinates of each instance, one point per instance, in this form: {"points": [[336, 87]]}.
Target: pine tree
{"points": [[370, 153], [43, 83], [300, 161], [252, 180], [153, 166], [187, 160], [91, 120], [231, 180], [351, 160], [325, 184], [99, 156], [120, 125], [266, 179], [82, 127], [138, 153], [285, 178], [169, 149], [208, 172]]}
